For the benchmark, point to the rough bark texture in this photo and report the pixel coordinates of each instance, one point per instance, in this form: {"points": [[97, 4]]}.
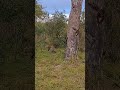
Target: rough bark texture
{"points": [[102, 45], [93, 48], [73, 30]]}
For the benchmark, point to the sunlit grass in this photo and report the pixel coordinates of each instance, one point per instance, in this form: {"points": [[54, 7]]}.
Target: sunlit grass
{"points": [[52, 72]]}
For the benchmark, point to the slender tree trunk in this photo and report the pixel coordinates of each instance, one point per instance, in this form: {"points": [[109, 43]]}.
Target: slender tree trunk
{"points": [[73, 30]]}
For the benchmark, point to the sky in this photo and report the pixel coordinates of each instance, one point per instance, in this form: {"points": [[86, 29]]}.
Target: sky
{"points": [[60, 5]]}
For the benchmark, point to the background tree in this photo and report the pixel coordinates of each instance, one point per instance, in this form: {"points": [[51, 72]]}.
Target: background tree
{"points": [[39, 13], [52, 33], [73, 30], [56, 30]]}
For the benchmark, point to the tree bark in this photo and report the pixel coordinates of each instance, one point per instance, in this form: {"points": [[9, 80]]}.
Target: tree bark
{"points": [[94, 45], [102, 45], [73, 30]]}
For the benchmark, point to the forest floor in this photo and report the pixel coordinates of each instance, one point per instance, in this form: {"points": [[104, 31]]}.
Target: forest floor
{"points": [[53, 73]]}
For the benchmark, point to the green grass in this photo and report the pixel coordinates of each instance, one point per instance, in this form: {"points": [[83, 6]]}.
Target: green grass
{"points": [[52, 72]]}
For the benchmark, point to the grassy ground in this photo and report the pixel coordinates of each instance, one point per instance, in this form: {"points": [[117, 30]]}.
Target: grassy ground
{"points": [[53, 73]]}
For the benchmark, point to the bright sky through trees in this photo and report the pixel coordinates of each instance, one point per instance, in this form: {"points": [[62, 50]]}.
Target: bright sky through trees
{"points": [[61, 5]]}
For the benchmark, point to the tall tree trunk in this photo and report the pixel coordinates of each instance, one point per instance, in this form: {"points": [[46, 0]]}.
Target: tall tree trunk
{"points": [[102, 45], [94, 45], [73, 30]]}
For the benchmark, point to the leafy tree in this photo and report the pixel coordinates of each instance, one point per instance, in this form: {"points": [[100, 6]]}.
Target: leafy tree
{"points": [[39, 27], [56, 29], [52, 34], [40, 33], [39, 12]]}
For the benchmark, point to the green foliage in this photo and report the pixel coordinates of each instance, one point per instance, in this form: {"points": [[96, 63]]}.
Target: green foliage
{"points": [[52, 32], [39, 28], [38, 10], [56, 29], [40, 35], [39, 13]]}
